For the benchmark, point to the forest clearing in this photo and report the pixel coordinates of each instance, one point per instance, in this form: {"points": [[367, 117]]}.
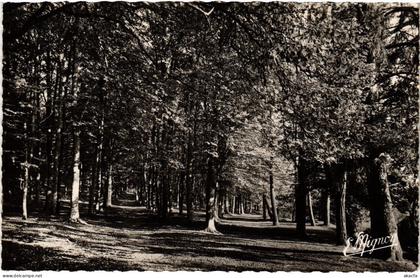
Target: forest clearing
{"points": [[210, 136]]}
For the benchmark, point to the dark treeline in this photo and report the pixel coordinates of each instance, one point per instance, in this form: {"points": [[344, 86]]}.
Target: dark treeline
{"points": [[214, 106]]}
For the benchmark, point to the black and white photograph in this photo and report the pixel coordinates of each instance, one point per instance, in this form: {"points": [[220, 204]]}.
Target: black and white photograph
{"points": [[210, 136]]}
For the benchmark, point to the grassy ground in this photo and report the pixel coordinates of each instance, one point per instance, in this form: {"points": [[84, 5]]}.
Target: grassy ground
{"points": [[130, 239]]}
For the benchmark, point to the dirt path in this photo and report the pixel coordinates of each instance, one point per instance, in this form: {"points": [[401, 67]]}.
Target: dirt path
{"points": [[129, 239]]}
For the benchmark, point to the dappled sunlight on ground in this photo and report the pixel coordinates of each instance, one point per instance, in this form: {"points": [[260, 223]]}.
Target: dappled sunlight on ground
{"points": [[129, 239]]}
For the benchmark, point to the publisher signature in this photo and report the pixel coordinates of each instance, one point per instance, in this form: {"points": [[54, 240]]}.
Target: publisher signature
{"points": [[363, 243]]}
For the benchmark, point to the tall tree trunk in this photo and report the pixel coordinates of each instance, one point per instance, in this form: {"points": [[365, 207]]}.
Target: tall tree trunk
{"points": [[238, 204], [181, 193], [340, 212], [189, 195], [158, 191], [155, 195], [383, 221], [211, 197], [58, 150], [269, 209], [99, 157], [241, 204], [188, 181], [49, 127], [93, 185], [300, 197], [139, 192], [294, 212], [38, 182], [227, 206], [326, 211], [251, 207], [164, 202], [311, 211], [36, 150], [219, 203], [273, 198], [170, 180], [109, 188], [264, 205], [216, 204], [57, 153], [149, 188], [99, 184], [222, 204], [234, 204], [25, 191], [381, 209], [165, 197], [75, 188], [25, 179]]}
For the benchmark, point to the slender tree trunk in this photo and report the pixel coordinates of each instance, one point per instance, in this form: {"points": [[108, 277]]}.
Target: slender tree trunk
{"points": [[58, 157], [155, 195], [99, 157], [238, 204], [264, 205], [165, 197], [300, 198], [75, 188], [241, 204], [311, 211], [251, 208], [216, 205], [25, 192], [170, 180], [93, 185], [269, 209], [25, 180], [222, 202], [149, 188], [273, 200], [181, 193], [219, 203], [108, 180], [340, 213], [326, 208], [188, 181], [227, 206], [98, 189], [37, 148], [109, 188], [211, 198], [38, 181], [57, 153], [140, 191], [61, 147], [49, 142], [189, 196], [234, 204], [294, 212], [158, 189]]}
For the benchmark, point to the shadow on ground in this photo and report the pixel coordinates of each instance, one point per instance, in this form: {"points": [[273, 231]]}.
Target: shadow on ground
{"points": [[130, 238]]}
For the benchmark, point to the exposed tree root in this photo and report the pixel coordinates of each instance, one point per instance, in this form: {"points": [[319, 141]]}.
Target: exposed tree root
{"points": [[212, 231], [78, 221]]}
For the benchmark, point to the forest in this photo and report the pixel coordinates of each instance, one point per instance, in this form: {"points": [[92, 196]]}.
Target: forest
{"points": [[209, 135]]}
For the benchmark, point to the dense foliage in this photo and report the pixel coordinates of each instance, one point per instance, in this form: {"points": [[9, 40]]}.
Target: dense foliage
{"points": [[210, 105]]}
